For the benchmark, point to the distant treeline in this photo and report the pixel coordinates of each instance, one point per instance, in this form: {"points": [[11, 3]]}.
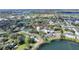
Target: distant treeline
{"points": [[28, 11]]}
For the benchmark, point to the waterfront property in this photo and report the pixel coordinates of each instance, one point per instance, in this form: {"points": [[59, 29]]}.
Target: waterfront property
{"points": [[39, 29]]}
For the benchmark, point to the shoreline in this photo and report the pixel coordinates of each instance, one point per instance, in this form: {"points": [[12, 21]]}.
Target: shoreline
{"points": [[72, 40]]}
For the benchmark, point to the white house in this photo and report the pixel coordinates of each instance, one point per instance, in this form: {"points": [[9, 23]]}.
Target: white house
{"points": [[47, 31], [38, 28], [11, 16], [69, 35], [51, 22], [77, 34], [76, 22], [1, 19], [44, 30], [27, 17]]}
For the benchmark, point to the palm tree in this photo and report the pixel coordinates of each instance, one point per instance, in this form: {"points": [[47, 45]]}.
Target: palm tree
{"points": [[75, 34], [62, 32]]}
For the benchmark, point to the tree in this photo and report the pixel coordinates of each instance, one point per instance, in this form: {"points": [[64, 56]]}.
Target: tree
{"points": [[62, 32], [75, 34], [21, 39]]}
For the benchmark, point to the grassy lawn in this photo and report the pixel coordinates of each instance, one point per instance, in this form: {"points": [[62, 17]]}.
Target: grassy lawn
{"points": [[71, 39], [21, 47]]}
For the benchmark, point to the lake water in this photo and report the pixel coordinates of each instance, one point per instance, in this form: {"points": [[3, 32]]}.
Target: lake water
{"points": [[60, 45]]}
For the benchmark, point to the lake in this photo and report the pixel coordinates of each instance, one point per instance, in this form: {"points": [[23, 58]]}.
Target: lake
{"points": [[59, 45]]}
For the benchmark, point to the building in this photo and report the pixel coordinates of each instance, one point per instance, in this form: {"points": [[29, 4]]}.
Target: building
{"points": [[69, 35], [38, 28], [76, 22], [51, 22]]}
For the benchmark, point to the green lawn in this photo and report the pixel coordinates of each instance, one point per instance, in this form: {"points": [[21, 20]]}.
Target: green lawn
{"points": [[21, 47]]}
